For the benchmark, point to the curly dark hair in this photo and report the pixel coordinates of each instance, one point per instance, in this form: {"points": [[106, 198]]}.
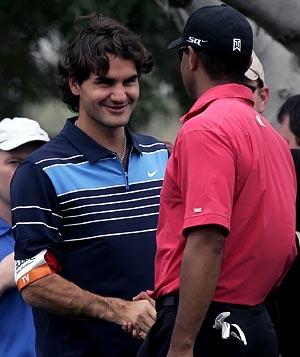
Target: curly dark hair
{"points": [[98, 35]]}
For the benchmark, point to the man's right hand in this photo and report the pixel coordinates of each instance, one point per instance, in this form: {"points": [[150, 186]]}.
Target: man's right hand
{"points": [[129, 327], [144, 295], [137, 317], [62, 297]]}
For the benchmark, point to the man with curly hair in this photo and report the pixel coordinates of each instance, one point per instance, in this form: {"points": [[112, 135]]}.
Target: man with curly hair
{"points": [[85, 206]]}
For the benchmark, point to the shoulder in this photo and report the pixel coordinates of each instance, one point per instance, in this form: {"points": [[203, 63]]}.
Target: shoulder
{"points": [[145, 139], [225, 117], [58, 149], [147, 143]]}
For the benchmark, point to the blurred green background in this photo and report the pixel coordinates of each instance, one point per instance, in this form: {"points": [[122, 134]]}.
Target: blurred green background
{"points": [[33, 37], [34, 34]]}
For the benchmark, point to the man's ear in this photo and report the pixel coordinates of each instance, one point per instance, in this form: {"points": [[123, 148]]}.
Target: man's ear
{"points": [[264, 98], [74, 85], [193, 59]]}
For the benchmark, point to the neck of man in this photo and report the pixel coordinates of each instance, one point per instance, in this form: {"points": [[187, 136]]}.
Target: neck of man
{"points": [[5, 212], [203, 81], [201, 89], [110, 138]]}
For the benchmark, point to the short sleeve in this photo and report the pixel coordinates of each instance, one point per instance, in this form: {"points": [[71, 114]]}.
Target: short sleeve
{"points": [[207, 178], [36, 217]]}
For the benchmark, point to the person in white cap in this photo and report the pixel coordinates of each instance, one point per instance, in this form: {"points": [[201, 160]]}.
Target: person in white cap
{"points": [[18, 138], [255, 80]]}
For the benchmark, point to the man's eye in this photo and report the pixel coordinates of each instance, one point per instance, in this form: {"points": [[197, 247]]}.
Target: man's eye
{"points": [[15, 162], [131, 80], [104, 81]]}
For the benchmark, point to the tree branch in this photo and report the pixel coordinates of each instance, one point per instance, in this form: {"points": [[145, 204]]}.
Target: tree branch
{"points": [[279, 18]]}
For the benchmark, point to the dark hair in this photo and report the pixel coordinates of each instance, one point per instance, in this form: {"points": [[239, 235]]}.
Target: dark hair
{"points": [[260, 83], [291, 107], [87, 54], [220, 67]]}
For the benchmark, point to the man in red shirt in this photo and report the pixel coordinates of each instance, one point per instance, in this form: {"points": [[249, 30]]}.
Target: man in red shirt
{"points": [[226, 226]]}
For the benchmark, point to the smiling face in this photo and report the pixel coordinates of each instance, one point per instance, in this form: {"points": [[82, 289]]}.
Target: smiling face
{"points": [[108, 100]]}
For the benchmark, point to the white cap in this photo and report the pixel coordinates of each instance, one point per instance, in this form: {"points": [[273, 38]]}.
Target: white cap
{"points": [[256, 70], [18, 131]]}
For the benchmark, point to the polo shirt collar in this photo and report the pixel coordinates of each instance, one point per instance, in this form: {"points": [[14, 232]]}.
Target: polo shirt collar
{"points": [[90, 149], [231, 90]]}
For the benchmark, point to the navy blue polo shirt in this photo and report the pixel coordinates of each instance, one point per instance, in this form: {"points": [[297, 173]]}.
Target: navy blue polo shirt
{"points": [[73, 197]]}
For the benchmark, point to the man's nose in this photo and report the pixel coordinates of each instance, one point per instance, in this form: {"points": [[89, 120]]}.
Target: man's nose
{"points": [[118, 93]]}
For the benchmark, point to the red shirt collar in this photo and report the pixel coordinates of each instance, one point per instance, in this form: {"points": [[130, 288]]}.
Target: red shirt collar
{"points": [[231, 90]]}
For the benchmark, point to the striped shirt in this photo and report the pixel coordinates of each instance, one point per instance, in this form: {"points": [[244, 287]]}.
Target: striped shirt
{"points": [[73, 197]]}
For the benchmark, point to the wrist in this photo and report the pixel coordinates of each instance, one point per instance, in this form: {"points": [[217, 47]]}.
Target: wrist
{"points": [[111, 309], [179, 349], [183, 344]]}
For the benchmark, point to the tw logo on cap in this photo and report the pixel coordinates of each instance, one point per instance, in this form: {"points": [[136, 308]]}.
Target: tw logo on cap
{"points": [[237, 45]]}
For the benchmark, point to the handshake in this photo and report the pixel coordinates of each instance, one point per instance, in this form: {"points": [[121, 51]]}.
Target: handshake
{"points": [[138, 315]]}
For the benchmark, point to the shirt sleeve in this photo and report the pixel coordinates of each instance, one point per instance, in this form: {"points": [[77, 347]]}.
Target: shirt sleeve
{"points": [[207, 178], [36, 218]]}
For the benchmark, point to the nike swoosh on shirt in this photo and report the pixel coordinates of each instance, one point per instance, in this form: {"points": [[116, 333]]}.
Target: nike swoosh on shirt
{"points": [[151, 174]]}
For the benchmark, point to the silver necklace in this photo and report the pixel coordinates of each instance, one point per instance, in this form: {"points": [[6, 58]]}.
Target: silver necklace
{"points": [[122, 157], [124, 149]]}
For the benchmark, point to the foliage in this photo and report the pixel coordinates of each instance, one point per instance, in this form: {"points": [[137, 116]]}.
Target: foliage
{"points": [[27, 77], [180, 3]]}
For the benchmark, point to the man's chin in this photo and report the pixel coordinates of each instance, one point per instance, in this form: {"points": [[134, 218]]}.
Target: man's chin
{"points": [[117, 123]]}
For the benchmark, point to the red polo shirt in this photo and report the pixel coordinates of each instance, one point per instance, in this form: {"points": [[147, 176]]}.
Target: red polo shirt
{"points": [[229, 167]]}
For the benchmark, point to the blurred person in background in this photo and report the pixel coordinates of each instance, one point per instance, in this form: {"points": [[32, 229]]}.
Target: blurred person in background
{"points": [[19, 137], [255, 80], [283, 304], [288, 297], [288, 118]]}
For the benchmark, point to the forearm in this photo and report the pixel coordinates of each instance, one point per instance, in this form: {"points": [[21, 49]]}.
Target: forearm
{"points": [[59, 296], [198, 278], [7, 275]]}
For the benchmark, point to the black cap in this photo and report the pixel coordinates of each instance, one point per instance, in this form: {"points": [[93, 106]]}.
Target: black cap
{"points": [[219, 28]]}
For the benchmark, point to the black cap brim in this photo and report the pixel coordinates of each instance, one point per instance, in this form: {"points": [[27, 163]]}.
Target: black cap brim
{"points": [[175, 44]]}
